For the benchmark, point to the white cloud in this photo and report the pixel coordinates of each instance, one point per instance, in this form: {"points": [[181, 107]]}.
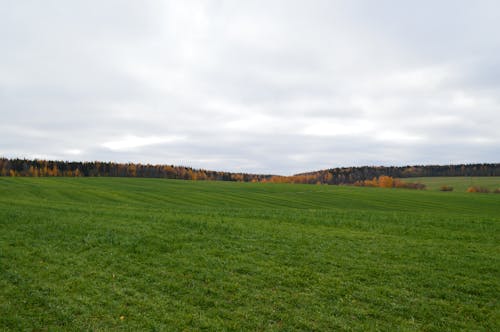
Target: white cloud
{"points": [[73, 152], [131, 142], [398, 137], [338, 128], [262, 86]]}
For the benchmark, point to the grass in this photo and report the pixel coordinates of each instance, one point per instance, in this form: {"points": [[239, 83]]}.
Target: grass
{"points": [[459, 183], [148, 254]]}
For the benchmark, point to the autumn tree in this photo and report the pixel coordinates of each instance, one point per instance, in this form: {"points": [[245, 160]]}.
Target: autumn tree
{"points": [[385, 181]]}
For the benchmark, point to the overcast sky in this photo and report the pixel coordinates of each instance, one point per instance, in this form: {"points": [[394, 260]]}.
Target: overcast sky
{"points": [[255, 86]]}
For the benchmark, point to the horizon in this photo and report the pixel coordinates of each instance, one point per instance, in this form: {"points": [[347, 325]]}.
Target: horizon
{"points": [[250, 173], [274, 87]]}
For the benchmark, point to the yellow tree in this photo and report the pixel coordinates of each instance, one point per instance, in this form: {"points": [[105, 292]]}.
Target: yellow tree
{"points": [[385, 181], [132, 170]]}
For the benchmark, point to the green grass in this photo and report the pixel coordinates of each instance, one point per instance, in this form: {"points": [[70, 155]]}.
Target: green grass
{"points": [[78, 253], [459, 183]]}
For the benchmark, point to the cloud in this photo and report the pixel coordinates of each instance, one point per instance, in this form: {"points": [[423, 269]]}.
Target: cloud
{"points": [[261, 86], [131, 142]]}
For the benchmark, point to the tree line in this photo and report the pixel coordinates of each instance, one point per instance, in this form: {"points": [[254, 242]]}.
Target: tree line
{"points": [[344, 175], [39, 168], [351, 175]]}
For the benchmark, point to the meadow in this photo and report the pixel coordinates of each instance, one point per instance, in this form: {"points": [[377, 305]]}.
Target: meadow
{"points": [[458, 183], [165, 255]]}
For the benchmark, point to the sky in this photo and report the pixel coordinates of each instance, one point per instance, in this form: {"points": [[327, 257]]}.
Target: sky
{"points": [[277, 87]]}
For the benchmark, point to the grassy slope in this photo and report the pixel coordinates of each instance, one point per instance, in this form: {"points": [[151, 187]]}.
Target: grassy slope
{"points": [[167, 255], [459, 183]]}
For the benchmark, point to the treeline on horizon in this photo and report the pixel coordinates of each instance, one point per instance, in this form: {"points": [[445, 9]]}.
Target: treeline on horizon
{"points": [[351, 175], [344, 175]]}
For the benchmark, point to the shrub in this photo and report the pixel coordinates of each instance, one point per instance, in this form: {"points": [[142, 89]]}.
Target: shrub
{"points": [[477, 189], [371, 183], [414, 185], [399, 184], [385, 181], [497, 191], [408, 185], [446, 188], [388, 182]]}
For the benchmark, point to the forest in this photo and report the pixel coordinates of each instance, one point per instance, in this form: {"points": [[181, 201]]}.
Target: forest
{"points": [[344, 175]]}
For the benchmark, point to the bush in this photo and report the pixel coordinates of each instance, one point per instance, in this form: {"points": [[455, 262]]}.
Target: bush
{"points": [[371, 183], [385, 181], [414, 185], [477, 189], [497, 191], [408, 185], [446, 188], [388, 182]]}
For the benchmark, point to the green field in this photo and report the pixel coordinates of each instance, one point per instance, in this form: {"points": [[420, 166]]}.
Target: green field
{"points": [[459, 183], [164, 255]]}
